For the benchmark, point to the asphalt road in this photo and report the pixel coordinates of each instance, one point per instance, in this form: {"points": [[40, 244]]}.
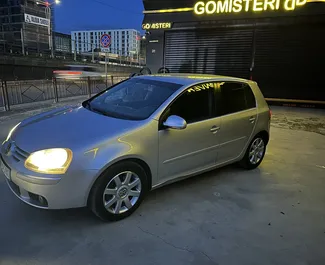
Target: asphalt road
{"points": [[271, 215]]}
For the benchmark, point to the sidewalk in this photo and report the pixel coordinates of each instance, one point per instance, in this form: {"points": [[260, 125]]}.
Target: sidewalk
{"points": [[302, 119]]}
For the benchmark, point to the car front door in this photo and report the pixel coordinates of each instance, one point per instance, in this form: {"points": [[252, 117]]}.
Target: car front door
{"points": [[237, 106], [182, 152]]}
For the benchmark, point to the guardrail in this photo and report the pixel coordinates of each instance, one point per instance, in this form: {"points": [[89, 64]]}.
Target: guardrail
{"points": [[22, 92]]}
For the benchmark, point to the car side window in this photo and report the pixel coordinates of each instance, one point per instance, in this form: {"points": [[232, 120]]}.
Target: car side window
{"points": [[195, 104], [250, 98], [235, 97]]}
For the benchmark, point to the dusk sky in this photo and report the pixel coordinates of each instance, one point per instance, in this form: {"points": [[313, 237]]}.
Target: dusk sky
{"points": [[98, 14]]}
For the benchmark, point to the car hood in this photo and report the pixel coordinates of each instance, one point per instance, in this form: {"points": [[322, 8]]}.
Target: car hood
{"points": [[68, 127]]}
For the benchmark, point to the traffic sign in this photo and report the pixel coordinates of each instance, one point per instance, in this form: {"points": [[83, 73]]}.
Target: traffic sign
{"points": [[105, 40]]}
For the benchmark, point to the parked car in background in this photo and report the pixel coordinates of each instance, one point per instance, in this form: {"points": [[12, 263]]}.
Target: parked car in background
{"points": [[138, 135]]}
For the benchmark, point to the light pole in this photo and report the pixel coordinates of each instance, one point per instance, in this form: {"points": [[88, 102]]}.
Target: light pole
{"points": [[48, 13]]}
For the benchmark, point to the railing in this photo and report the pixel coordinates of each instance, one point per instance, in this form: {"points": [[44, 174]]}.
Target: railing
{"points": [[22, 92]]}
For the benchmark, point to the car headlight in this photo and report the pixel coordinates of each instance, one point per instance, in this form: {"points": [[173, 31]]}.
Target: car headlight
{"points": [[11, 132], [50, 161]]}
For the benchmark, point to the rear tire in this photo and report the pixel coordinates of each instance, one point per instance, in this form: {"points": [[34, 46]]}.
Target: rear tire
{"points": [[255, 153], [118, 192]]}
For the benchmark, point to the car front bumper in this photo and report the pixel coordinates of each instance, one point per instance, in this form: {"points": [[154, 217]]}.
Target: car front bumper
{"points": [[50, 191]]}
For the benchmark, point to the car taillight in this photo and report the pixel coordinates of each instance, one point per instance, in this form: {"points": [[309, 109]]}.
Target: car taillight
{"points": [[270, 114]]}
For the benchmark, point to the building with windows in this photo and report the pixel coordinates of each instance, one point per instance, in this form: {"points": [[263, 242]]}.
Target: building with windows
{"points": [[123, 41], [24, 25], [280, 44], [62, 42]]}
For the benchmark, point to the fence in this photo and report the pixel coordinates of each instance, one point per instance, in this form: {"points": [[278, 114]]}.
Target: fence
{"points": [[22, 92]]}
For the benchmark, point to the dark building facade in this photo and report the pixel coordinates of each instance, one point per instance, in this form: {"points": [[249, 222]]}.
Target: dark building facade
{"points": [[143, 50], [278, 43], [17, 31], [62, 42]]}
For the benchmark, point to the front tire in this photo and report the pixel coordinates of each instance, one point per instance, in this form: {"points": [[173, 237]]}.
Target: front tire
{"points": [[254, 154], [118, 192]]}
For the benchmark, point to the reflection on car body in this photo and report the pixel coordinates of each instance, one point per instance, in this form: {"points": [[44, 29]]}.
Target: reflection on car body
{"points": [[140, 134]]}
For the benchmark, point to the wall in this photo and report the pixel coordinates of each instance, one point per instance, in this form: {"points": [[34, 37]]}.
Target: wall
{"points": [[189, 20]]}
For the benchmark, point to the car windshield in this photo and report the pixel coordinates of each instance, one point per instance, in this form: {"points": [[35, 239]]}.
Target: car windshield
{"points": [[134, 99]]}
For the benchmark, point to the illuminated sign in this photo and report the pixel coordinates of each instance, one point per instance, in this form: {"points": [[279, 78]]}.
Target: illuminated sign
{"points": [[164, 25], [236, 6]]}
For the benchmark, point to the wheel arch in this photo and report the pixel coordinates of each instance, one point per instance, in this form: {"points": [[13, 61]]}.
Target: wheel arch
{"points": [[145, 167], [136, 160], [265, 135]]}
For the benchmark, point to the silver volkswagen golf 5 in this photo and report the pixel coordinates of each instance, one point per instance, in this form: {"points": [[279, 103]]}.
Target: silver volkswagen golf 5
{"points": [[136, 136]]}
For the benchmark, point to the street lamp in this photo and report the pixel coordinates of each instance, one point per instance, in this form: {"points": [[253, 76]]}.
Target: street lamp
{"points": [[48, 16]]}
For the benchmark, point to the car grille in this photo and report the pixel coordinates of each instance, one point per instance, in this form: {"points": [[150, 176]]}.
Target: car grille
{"points": [[18, 154]]}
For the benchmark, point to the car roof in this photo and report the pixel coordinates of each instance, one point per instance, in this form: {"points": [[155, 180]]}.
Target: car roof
{"points": [[188, 79]]}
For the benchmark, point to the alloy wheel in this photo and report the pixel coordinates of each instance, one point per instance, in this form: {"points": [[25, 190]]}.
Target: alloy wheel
{"points": [[122, 192], [256, 151]]}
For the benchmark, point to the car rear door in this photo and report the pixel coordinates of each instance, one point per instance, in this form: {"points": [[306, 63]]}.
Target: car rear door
{"points": [[182, 152], [237, 106]]}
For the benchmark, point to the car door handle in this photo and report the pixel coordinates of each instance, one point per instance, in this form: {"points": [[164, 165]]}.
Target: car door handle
{"points": [[252, 119], [214, 129]]}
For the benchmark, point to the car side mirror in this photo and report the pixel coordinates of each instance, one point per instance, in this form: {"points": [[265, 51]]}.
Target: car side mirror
{"points": [[175, 122]]}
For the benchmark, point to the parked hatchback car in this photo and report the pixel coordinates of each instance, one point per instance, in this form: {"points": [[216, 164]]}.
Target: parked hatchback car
{"points": [[138, 135]]}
